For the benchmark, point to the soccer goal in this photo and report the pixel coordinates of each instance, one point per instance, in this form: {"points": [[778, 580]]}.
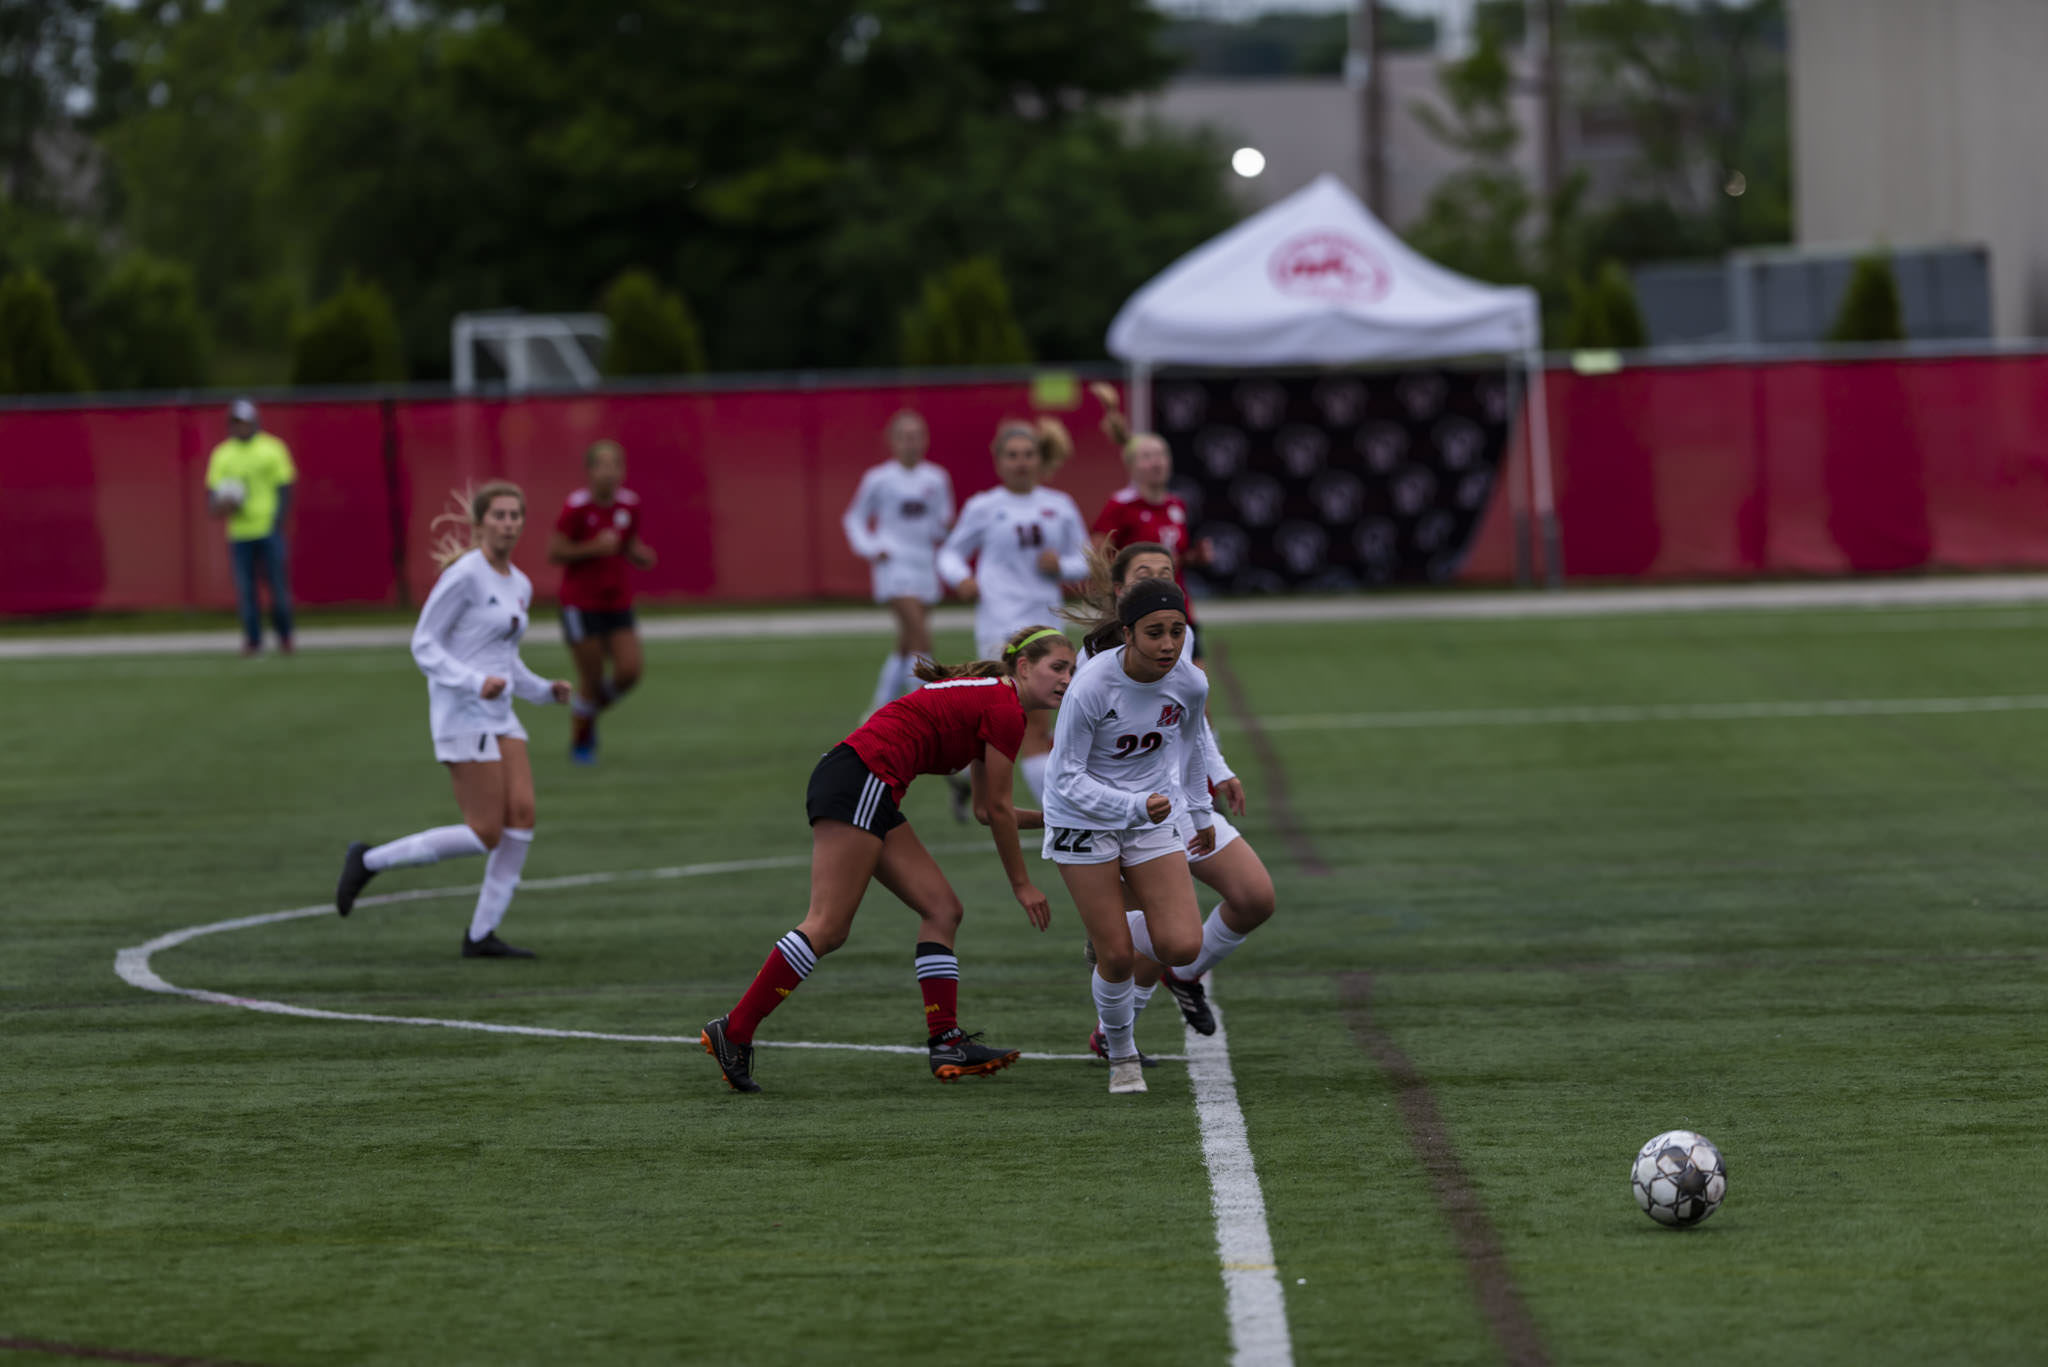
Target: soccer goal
{"points": [[515, 351]]}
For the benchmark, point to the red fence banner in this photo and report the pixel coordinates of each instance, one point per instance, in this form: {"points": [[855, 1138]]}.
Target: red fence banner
{"points": [[1806, 467]]}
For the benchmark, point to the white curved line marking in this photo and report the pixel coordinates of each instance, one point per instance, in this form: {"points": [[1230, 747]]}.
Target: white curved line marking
{"points": [[133, 966]]}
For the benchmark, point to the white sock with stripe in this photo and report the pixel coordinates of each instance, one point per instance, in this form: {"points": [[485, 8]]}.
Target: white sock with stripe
{"points": [[425, 847], [1114, 1010], [501, 880], [1218, 940]]}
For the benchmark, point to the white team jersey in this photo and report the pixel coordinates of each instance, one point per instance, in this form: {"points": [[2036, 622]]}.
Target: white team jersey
{"points": [[903, 512], [1218, 768], [1009, 532], [470, 630], [1116, 742]]}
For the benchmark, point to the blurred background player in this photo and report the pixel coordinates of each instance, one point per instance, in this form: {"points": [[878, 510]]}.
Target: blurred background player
{"points": [[249, 481], [1126, 758], [596, 537], [1145, 509], [1231, 866], [896, 521], [966, 716], [467, 644], [1028, 540]]}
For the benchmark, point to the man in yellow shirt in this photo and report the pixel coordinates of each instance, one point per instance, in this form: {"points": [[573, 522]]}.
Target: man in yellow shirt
{"points": [[249, 483]]}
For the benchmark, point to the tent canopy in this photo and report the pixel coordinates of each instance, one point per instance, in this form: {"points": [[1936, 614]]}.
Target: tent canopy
{"points": [[1316, 280]]}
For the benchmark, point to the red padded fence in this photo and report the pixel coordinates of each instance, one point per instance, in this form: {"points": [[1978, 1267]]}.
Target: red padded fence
{"points": [[1804, 467]]}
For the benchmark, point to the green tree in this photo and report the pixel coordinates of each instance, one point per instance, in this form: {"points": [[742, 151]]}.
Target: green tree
{"points": [[1870, 305], [45, 55], [1604, 314], [352, 338], [1474, 219], [652, 330], [144, 328], [963, 317], [36, 355]]}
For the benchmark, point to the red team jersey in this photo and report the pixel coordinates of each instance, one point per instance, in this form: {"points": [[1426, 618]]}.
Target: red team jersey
{"points": [[1128, 519], [938, 729], [600, 583]]}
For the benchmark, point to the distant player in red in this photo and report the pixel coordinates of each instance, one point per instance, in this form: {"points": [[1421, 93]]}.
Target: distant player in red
{"points": [[971, 714], [1144, 510], [596, 537]]}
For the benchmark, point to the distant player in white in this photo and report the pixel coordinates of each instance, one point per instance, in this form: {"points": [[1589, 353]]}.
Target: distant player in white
{"points": [[896, 521], [1126, 759], [1029, 540], [467, 644], [1231, 866]]}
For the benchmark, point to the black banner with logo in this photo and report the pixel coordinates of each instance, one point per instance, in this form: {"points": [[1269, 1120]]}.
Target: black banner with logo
{"points": [[1333, 481]]}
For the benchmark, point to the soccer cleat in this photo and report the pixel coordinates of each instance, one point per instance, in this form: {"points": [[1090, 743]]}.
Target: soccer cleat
{"points": [[353, 876], [1098, 1045], [956, 1055], [735, 1060], [1126, 1075], [491, 947], [960, 797], [583, 740], [1194, 1002]]}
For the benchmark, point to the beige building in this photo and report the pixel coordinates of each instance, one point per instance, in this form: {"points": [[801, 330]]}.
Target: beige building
{"points": [[1927, 123]]}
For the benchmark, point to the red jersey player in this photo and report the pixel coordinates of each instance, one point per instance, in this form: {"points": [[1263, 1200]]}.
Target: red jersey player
{"points": [[1144, 510], [596, 537], [971, 714]]}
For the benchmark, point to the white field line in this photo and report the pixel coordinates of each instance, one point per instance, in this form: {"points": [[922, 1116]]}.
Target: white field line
{"points": [[1422, 606], [1651, 712], [1244, 1246], [133, 963]]}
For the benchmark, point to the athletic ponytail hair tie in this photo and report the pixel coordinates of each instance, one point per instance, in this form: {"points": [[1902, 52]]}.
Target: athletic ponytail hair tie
{"points": [[1010, 651], [1148, 596]]}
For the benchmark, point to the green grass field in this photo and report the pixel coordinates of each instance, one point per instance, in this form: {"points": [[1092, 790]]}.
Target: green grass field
{"points": [[1816, 938]]}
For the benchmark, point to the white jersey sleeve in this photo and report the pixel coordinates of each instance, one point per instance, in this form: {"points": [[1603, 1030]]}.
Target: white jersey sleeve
{"points": [[1075, 796], [433, 637], [1212, 753], [860, 516], [944, 521], [1194, 732], [965, 540], [1071, 537]]}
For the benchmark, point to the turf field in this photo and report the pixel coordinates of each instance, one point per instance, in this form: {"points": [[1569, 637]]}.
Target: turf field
{"points": [[1546, 888]]}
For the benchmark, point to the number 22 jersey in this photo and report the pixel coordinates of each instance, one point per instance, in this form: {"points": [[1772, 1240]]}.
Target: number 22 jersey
{"points": [[1118, 741]]}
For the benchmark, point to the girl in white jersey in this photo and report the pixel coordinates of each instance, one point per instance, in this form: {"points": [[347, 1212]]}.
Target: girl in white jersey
{"points": [[896, 521], [1231, 867], [467, 644], [1030, 540], [1126, 759]]}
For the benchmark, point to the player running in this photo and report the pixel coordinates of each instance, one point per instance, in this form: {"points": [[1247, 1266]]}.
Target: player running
{"points": [[1231, 866], [968, 715], [1028, 540], [1126, 763], [896, 521], [467, 644], [596, 537]]}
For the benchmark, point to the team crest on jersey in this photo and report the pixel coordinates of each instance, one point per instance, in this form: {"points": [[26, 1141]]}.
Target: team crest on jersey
{"points": [[1170, 714]]}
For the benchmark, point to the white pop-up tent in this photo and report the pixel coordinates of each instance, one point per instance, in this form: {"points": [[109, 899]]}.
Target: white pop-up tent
{"points": [[1317, 280]]}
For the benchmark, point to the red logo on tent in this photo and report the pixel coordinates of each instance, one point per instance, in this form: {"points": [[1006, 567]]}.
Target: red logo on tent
{"points": [[1329, 266]]}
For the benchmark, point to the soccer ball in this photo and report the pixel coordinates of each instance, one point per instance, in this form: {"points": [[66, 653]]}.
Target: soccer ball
{"points": [[1679, 1178], [229, 493]]}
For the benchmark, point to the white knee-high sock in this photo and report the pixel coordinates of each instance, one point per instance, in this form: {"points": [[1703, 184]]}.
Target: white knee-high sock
{"points": [[501, 880], [1141, 938], [1034, 775], [425, 847], [889, 683], [1218, 940], [1113, 1009], [1139, 996]]}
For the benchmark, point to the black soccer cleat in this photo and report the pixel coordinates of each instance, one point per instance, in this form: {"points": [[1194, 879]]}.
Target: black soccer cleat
{"points": [[1098, 1045], [735, 1060], [956, 1055], [491, 947], [1194, 1002], [353, 876]]}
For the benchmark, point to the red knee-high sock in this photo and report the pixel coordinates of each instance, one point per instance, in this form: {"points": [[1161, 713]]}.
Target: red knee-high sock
{"points": [[789, 963], [938, 977]]}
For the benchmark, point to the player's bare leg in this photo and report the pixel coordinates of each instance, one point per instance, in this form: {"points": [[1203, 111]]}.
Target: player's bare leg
{"points": [[588, 656], [501, 797], [913, 638]]}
